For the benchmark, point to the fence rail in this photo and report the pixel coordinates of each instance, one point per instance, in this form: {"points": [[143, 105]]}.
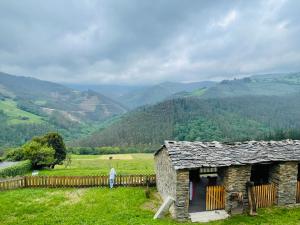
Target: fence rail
{"points": [[298, 192], [215, 197], [265, 195], [12, 183], [76, 181]]}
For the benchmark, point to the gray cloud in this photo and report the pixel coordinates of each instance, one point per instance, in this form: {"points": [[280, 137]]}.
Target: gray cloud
{"points": [[138, 42]]}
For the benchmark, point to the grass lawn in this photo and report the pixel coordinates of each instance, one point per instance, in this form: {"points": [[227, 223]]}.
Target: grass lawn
{"points": [[101, 164], [119, 206]]}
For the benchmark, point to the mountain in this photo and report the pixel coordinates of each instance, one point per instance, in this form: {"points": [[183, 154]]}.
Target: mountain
{"points": [[50, 98], [195, 118], [32, 106], [113, 91], [237, 109], [135, 96], [259, 85], [160, 92]]}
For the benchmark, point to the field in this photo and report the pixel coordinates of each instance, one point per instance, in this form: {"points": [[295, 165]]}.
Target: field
{"points": [[100, 164], [17, 115], [103, 206], [119, 206]]}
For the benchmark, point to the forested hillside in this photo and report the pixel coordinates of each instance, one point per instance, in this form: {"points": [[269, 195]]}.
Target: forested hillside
{"points": [[30, 107], [192, 118], [42, 97], [258, 85], [240, 109]]}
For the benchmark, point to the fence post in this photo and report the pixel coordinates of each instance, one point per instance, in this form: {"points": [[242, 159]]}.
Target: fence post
{"points": [[251, 198]]}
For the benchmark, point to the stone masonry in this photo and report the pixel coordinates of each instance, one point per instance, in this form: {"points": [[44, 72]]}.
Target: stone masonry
{"points": [[284, 176], [234, 161], [165, 177], [234, 181], [182, 195]]}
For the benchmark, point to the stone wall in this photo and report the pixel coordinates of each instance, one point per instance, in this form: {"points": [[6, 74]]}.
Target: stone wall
{"points": [[165, 177], [284, 176], [234, 179], [182, 195]]}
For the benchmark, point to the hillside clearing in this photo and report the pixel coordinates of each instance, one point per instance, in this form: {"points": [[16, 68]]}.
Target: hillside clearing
{"points": [[107, 207], [86, 165], [16, 115]]}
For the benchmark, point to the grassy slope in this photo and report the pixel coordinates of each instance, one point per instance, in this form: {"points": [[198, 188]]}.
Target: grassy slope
{"points": [[100, 164], [119, 206], [15, 114]]}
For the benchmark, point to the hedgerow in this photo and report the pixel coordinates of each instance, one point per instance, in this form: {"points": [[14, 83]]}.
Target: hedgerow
{"points": [[21, 168]]}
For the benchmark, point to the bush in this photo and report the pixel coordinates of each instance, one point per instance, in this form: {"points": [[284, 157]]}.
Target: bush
{"points": [[55, 141], [14, 154], [39, 155], [19, 169], [44, 151]]}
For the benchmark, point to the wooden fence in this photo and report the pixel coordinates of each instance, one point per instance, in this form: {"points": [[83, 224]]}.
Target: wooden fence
{"points": [[265, 195], [12, 183], [76, 181], [215, 197], [298, 192]]}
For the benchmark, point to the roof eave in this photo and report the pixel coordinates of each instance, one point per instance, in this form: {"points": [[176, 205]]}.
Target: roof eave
{"points": [[158, 151]]}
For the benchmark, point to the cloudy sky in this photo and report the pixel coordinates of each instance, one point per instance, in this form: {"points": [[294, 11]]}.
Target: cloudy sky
{"points": [[145, 42]]}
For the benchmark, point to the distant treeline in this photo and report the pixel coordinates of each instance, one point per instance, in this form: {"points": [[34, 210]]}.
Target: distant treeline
{"points": [[281, 134], [111, 150]]}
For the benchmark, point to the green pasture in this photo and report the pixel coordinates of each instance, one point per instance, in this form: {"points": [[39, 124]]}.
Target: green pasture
{"points": [[16, 115], [120, 206], [100, 164]]}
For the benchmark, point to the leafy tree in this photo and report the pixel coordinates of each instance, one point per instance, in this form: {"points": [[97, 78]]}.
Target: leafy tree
{"points": [[15, 154], [40, 155], [47, 150], [55, 141]]}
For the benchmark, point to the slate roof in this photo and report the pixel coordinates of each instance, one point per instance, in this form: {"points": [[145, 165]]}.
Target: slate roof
{"points": [[185, 155]]}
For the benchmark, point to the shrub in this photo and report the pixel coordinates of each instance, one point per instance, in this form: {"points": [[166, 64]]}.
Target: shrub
{"points": [[55, 141], [47, 150], [19, 169], [15, 154], [39, 155]]}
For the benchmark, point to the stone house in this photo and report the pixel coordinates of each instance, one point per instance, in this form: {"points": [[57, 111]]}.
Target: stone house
{"points": [[184, 170]]}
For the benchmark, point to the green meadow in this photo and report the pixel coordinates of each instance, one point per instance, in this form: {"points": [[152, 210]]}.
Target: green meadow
{"points": [[119, 206], [86, 165]]}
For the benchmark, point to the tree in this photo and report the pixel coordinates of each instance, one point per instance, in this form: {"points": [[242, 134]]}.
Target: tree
{"points": [[47, 150], [14, 154], [39, 155], [68, 161], [55, 141]]}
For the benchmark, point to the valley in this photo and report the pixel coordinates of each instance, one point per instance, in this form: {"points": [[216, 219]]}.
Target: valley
{"points": [[231, 110]]}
